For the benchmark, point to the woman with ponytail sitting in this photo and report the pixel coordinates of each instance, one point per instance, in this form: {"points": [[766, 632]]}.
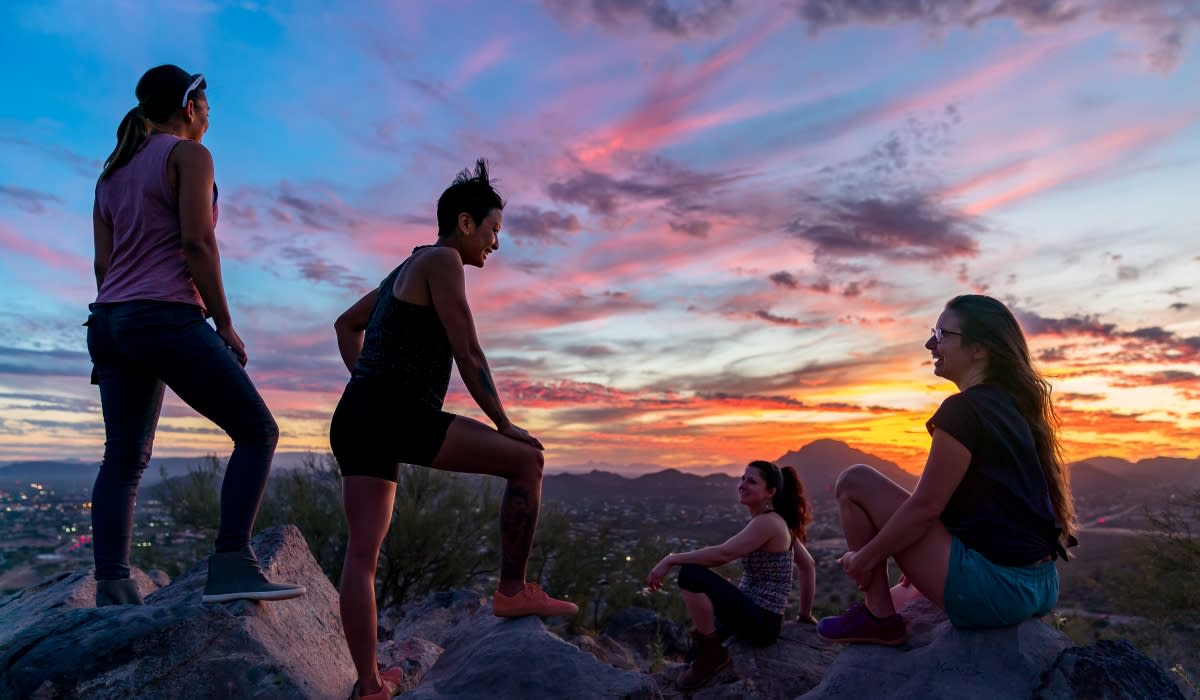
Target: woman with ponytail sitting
{"points": [[767, 546], [979, 535]]}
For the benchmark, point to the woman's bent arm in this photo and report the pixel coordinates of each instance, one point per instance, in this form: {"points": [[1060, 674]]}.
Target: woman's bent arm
{"points": [[351, 326], [752, 538], [447, 287]]}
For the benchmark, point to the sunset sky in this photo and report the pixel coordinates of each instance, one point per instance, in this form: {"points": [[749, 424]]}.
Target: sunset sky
{"points": [[730, 224]]}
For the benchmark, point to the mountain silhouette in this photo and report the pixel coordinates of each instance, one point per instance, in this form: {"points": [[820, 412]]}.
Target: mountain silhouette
{"points": [[820, 462]]}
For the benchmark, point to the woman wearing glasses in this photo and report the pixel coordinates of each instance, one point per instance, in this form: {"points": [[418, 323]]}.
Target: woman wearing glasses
{"points": [[158, 276], [992, 511]]}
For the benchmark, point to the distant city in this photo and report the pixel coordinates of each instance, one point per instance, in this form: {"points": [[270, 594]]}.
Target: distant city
{"points": [[45, 507]]}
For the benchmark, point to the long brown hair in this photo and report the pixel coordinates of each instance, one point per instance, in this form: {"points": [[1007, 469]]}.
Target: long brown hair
{"points": [[132, 133], [789, 500], [989, 323]]}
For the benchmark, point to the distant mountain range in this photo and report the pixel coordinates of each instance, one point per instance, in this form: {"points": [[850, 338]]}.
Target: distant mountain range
{"points": [[76, 474], [1096, 480]]}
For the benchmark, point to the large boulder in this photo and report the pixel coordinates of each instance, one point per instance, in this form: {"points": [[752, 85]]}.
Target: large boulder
{"points": [[493, 658], [1106, 670], [73, 589], [942, 661], [177, 647]]}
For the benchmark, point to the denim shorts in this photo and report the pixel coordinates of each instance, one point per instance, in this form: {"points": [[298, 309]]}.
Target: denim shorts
{"points": [[980, 593]]}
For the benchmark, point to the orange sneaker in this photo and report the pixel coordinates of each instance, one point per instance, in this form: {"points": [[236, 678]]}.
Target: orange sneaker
{"points": [[531, 601], [391, 680]]}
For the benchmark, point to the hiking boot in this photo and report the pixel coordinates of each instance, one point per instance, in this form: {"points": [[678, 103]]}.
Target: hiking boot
{"points": [[531, 601], [858, 625], [391, 680], [236, 575], [121, 591], [710, 657], [694, 646]]}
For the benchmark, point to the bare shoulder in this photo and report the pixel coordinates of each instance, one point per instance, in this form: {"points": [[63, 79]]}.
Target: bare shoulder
{"points": [[773, 524], [439, 260], [189, 153]]}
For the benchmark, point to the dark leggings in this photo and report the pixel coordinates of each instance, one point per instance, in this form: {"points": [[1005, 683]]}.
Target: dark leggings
{"points": [[735, 612], [138, 348]]}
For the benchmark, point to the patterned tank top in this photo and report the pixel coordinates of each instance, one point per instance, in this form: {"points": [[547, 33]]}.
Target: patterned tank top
{"points": [[405, 348], [767, 579]]}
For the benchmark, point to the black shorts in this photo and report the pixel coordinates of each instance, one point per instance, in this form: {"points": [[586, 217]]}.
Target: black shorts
{"points": [[373, 432]]}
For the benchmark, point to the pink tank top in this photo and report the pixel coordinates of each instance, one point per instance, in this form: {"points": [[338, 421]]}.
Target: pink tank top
{"points": [[147, 259]]}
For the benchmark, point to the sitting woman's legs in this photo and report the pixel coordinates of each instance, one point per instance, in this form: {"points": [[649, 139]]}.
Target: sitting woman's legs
{"points": [[866, 501], [709, 595]]}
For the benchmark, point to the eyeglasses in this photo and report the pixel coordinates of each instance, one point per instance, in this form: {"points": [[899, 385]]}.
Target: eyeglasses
{"points": [[191, 88], [939, 333]]}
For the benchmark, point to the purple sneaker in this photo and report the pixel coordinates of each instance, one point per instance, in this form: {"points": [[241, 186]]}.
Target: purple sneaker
{"points": [[858, 626]]}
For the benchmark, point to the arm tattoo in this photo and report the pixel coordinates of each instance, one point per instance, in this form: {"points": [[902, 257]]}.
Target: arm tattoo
{"points": [[486, 379]]}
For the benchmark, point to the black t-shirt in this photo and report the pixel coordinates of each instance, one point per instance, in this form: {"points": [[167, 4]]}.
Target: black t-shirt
{"points": [[1002, 507]]}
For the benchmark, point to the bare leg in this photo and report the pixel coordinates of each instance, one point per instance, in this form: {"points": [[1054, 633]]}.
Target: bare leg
{"points": [[902, 595], [866, 501], [700, 607], [368, 502], [474, 448]]}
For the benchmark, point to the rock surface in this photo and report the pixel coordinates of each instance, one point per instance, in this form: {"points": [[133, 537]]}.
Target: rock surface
{"points": [[76, 589], [1107, 670], [941, 661], [177, 647], [435, 618], [493, 658]]}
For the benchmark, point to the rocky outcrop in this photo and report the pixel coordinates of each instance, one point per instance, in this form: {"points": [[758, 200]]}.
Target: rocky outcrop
{"points": [[488, 657], [177, 647], [76, 589], [55, 644], [436, 618], [941, 661], [1106, 670]]}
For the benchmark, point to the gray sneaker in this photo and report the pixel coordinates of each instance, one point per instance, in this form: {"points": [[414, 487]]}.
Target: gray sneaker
{"points": [[237, 576], [121, 591]]}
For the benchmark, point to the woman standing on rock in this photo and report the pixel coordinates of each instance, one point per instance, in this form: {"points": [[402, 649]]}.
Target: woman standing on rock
{"points": [[992, 511], [768, 545], [158, 276], [398, 342]]}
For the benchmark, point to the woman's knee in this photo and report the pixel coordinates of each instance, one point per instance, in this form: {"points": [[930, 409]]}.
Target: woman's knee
{"points": [[362, 557], [854, 479], [529, 464], [263, 430]]}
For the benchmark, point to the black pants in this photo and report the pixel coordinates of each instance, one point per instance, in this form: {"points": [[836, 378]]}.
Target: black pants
{"points": [[139, 348], [735, 612]]}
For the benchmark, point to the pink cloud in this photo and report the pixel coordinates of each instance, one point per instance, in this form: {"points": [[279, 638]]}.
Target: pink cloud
{"points": [[1081, 161], [14, 242]]}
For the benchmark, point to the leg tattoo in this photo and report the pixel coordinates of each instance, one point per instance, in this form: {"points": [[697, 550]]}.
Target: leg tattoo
{"points": [[518, 520]]}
